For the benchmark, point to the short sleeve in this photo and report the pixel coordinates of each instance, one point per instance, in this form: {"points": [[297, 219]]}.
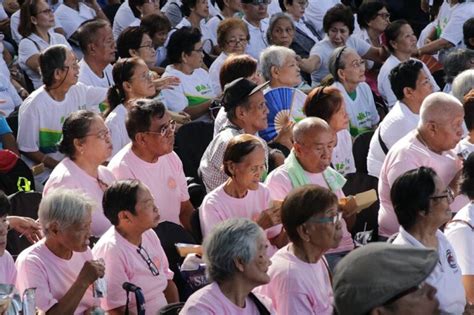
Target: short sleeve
{"points": [[26, 49], [278, 185], [209, 214], [28, 130], [453, 32], [94, 96], [174, 98], [361, 46], [461, 239]]}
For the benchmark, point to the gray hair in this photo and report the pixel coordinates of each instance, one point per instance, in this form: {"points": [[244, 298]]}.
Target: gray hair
{"points": [[462, 84], [66, 207], [274, 56], [439, 107], [336, 61], [229, 240], [456, 62], [274, 19]]}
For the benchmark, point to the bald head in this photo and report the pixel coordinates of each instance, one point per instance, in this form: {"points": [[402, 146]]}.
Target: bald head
{"points": [[439, 107], [308, 127]]}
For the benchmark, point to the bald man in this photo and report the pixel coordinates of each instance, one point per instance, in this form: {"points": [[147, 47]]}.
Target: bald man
{"points": [[309, 163], [430, 145]]}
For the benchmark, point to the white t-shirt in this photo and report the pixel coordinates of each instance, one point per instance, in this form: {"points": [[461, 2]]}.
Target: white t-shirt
{"points": [[464, 148], [316, 10], [194, 89], [33, 45], [165, 179], [3, 13], [70, 19], [214, 73], [220, 121], [324, 49], [204, 31], [118, 132], [41, 118], [212, 26], [342, 157], [9, 95], [398, 122], [362, 112], [383, 81], [460, 13], [88, 77], [123, 18], [297, 287], [446, 277], [258, 38], [461, 237]]}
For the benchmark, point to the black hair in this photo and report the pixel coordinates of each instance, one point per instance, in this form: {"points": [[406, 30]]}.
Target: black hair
{"points": [[120, 195], [50, 60], [410, 194], [339, 13], [467, 178], [154, 23], [134, 4], [182, 41], [468, 32], [404, 75], [76, 126], [87, 32], [5, 206], [130, 38], [141, 114], [186, 7], [368, 11], [393, 31]]}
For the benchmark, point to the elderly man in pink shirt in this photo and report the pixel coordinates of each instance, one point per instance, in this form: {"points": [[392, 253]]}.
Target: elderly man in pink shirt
{"points": [[430, 145], [308, 163]]}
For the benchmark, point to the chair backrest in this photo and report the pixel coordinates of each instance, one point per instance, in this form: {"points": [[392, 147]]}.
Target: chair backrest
{"points": [[196, 226], [191, 141], [17, 178], [360, 150], [171, 309], [24, 204]]}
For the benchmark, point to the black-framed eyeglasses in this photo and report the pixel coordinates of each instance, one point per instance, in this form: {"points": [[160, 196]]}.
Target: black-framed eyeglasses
{"points": [[151, 265], [170, 126], [449, 195]]}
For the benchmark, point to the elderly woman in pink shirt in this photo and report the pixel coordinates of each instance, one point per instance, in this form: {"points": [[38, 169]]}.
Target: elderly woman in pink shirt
{"points": [[300, 281], [132, 251], [60, 266], [236, 259], [242, 195]]}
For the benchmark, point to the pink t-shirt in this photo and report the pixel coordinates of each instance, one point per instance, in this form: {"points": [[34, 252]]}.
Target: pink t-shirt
{"points": [[123, 263], [68, 175], [211, 301], [51, 275], [165, 179], [408, 154], [280, 185], [297, 287], [218, 206], [7, 269]]}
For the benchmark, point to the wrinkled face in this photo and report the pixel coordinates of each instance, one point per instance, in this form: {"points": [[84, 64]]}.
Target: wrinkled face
{"points": [[97, 145], [248, 172], [147, 215], [296, 10], [104, 45], [315, 151], [195, 58], [3, 234], [283, 33], [159, 140], [423, 87], [140, 84], [255, 272], [420, 300], [69, 73], [439, 212], [257, 111], [235, 41], [289, 74], [354, 68], [449, 131], [146, 51], [406, 40], [76, 236], [338, 34], [340, 119], [322, 231], [381, 21], [44, 17]]}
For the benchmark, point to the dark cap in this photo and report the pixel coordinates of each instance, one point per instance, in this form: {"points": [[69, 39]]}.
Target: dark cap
{"points": [[238, 90], [373, 274]]}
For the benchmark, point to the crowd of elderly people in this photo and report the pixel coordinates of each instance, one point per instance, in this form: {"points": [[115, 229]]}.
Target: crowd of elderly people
{"points": [[272, 100]]}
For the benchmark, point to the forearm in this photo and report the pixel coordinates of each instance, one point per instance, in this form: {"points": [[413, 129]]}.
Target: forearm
{"points": [[9, 143], [171, 292], [185, 214], [40, 157], [69, 302], [309, 64], [434, 46], [280, 240], [198, 110], [468, 282]]}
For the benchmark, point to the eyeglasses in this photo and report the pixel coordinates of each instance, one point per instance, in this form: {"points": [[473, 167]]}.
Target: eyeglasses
{"points": [[102, 134], [170, 126], [149, 46], [235, 41], [449, 196], [257, 2], [47, 11], [151, 265], [384, 16], [332, 219]]}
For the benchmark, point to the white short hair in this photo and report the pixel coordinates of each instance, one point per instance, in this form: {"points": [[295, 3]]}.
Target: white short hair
{"points": [[462, 84], [273, 56], [438, 107]]}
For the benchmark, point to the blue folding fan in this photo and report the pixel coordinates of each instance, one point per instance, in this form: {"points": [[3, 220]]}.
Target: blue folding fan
{"points": [[284, 105]]}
